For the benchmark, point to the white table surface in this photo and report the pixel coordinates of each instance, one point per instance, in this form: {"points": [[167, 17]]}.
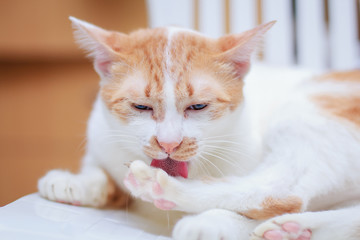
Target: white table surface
{"points": [[34, 218]]}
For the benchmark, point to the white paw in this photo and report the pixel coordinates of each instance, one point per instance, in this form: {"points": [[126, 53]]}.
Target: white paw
{"points": [[210, 225], [282, 228], [65, 187], [152, 185]]}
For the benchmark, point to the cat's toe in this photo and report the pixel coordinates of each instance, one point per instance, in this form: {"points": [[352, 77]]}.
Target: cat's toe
{"points": [[130, 181], [141, 171], [281, 230], [162, 178], [60, 186], [140, 180]]}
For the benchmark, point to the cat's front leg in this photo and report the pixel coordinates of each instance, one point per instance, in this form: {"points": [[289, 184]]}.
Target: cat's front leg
{"points": [[155, 185], [91, 187], [88, 188], [251, 196]]}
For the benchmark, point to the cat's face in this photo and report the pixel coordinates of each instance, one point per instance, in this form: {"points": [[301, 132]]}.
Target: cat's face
{"points": [[170, 86], [174, 87]]}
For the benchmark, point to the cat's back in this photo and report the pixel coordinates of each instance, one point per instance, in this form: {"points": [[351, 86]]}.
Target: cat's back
{"points": [[339, 96], [269, 89], [277, 94]]}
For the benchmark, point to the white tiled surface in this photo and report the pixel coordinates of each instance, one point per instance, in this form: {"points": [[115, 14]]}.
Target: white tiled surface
{"points": [[34, 218]]}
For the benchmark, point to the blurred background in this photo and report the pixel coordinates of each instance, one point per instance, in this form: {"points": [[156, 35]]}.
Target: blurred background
{"points": [[47, 86]]}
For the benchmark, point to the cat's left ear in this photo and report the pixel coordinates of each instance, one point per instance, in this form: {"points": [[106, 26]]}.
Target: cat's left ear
{"points": [[103, 45], [238, 48]]}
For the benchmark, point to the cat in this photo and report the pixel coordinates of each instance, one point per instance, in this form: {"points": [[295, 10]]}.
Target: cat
{"points": [[264, 153]]}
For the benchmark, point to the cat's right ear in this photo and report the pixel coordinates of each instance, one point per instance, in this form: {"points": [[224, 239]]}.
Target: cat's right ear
{"points": [[102, 45]]}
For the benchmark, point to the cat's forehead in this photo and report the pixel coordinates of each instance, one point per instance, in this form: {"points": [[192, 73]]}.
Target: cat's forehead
{"points": [[169, 54], [172, 51]]}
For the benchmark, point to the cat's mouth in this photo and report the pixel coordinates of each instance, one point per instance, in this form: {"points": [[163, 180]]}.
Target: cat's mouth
{"points": [[172, 167]]}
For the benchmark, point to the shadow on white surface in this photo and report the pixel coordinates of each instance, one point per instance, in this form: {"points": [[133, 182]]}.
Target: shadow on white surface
{"points": [[34, 218]]}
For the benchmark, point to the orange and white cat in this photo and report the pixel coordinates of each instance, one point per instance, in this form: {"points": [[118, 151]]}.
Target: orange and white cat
{"points": [[180, 123]]}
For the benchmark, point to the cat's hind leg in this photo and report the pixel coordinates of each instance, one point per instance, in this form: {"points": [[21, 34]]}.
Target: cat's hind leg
{"points": [[214, 224], [341, 224]]}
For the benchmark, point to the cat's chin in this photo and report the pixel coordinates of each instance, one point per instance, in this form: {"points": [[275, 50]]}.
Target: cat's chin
{"points": [[172, 167]]}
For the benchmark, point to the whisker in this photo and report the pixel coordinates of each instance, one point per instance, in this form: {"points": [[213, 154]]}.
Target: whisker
{"points": [[203, 167], [227, 149], [119, 137], [168, 219], [221, 158], [122, 130], [115, 133], [121, 141], [208, 161], [82, 145], [226, 141], [228, 155], [131, 146], [221, 136]]}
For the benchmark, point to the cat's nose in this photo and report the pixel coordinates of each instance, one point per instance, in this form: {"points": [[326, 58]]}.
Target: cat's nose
{"points": [[169, 147]]}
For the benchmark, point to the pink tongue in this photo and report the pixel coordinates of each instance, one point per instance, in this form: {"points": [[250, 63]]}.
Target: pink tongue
{"points": [[172, 167]]}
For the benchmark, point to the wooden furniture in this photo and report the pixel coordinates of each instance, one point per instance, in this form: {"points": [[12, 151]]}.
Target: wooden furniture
{"points": [[309, 33]]}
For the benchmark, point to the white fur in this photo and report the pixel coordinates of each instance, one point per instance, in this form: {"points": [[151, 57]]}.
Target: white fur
{"points": [[277, 144]]}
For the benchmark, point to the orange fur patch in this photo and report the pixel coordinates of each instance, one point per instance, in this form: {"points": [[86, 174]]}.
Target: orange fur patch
{"points": [[345, 107], [353, 75], [185, 150], [153, 149], [116, 197], [272, 207]]}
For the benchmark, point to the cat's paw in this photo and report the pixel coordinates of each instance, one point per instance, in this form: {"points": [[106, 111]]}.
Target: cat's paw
{"points": [[210, 225], [152, 185], [281, 228], [65, 187]]}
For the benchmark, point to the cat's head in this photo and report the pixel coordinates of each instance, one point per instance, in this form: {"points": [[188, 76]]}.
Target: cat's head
{"points": [[169, 87]]}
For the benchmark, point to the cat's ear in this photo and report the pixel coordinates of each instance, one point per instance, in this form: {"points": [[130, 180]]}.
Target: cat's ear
{"points": [[102, 45], [238, 48]]}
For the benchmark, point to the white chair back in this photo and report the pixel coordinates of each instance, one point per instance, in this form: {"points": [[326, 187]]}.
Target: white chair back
{"points": [[314, 34]]}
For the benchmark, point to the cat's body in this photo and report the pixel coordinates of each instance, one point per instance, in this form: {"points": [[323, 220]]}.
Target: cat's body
{"points": [[288, 143]]}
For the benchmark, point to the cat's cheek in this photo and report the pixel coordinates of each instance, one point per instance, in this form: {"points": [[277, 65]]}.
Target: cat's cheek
{"points": [[192, 129], [144, 127]]}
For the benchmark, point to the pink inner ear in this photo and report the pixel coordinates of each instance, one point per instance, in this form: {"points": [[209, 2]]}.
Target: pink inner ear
{"points": [[103, 66], [242, 68]]}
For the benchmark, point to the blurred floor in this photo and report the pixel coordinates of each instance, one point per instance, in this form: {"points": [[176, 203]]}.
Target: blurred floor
{"points": [[43, 112]]}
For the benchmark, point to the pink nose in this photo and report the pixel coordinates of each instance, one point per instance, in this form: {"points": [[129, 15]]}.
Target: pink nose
{"points": [[169, 147]]}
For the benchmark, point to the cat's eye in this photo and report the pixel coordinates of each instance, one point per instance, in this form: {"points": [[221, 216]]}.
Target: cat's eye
{"points": [[197, 107], [143, 107]]}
